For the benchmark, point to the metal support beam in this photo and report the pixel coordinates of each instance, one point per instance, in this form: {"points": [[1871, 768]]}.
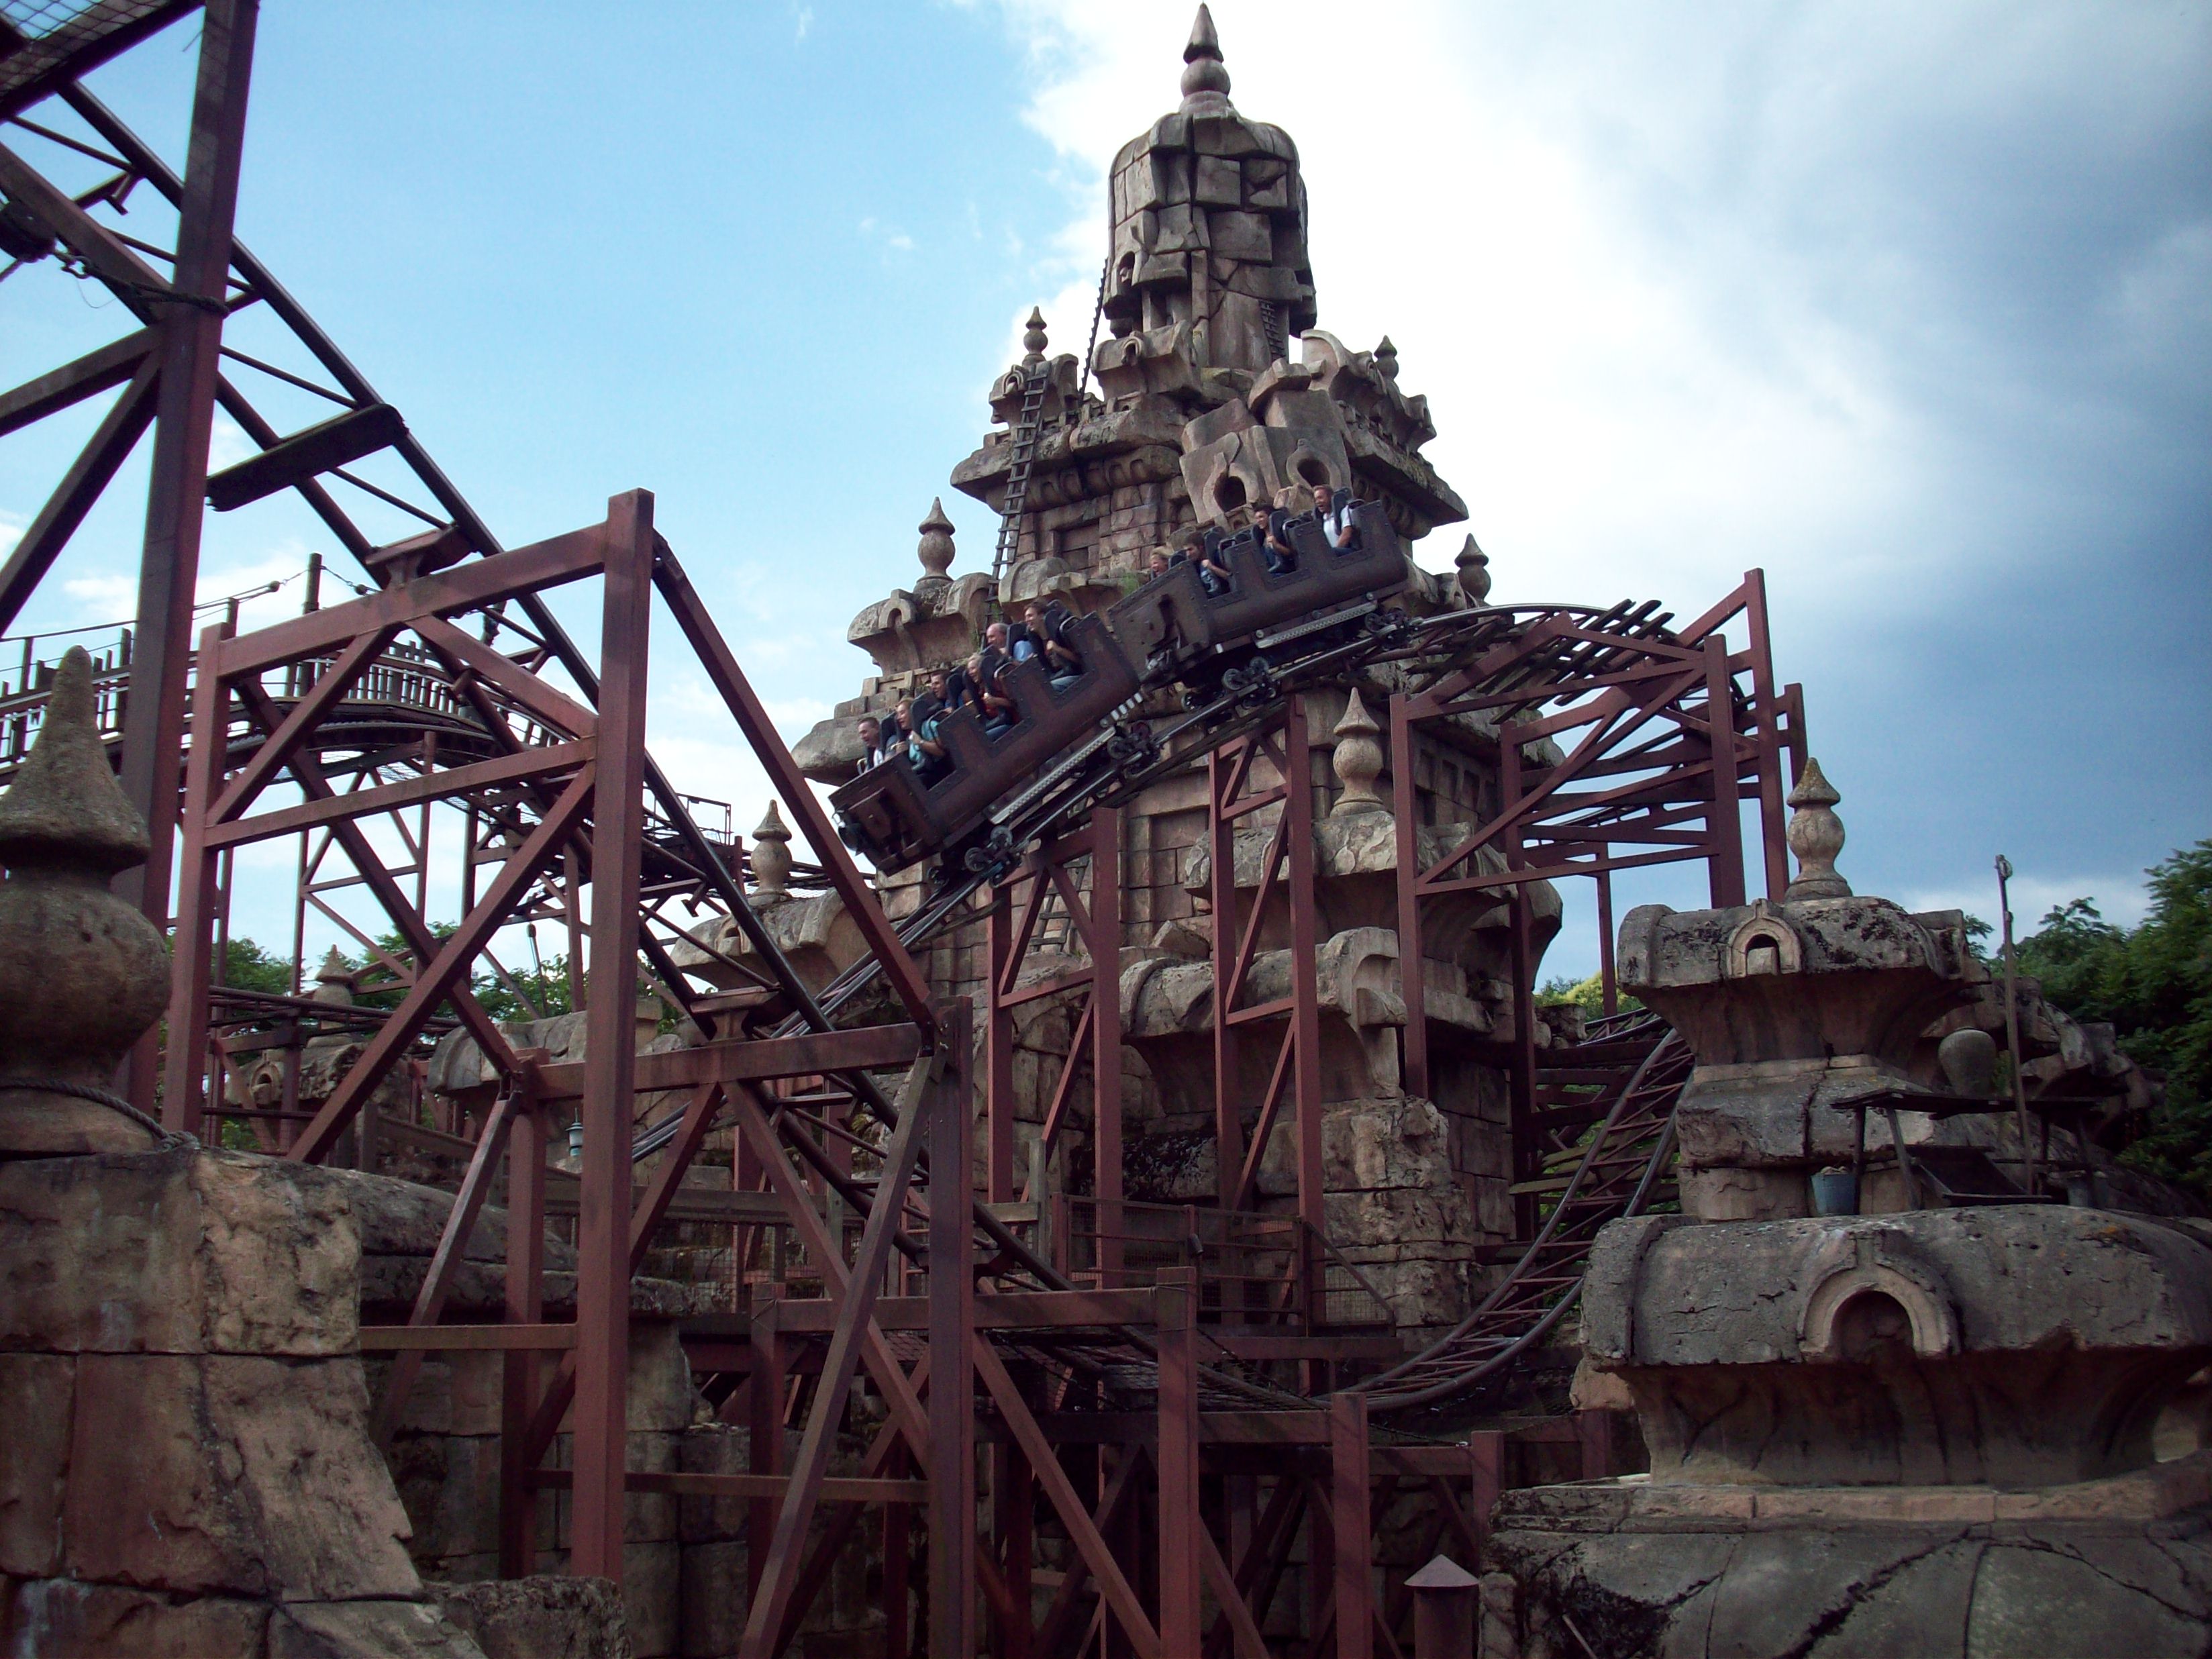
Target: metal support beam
{"points": [[953, 1353], [191, 344], [603, 1227]]}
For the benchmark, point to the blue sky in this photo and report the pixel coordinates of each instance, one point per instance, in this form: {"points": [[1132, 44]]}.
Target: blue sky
{"points": [[1910, 305]]}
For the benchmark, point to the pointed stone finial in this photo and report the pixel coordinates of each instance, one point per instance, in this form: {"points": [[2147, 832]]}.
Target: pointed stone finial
{"points": [[1358, 761], [935, 550], [1815, 835], [1033, 336], [1473, 566], [1386, 361], [1204, 81], [82, 974], [771, 856], [334, 980], [65, 806]]}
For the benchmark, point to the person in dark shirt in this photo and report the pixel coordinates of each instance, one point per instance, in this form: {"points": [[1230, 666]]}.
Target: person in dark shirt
{"points": [[924, 748], [1199, 547], [1050, 625], [996, 705]]}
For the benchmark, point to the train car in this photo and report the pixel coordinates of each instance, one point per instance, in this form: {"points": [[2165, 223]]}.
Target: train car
{"points": [[1173, 625], [891, 816]]}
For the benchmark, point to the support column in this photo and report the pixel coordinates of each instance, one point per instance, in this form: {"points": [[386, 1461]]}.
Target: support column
{"points": [[951, 1357], [525, 1305], [1221, 852], [998, 1049], [1014, 1516], [603, 1225], [766, 1390], [1106, 1033], [1348, 1506], [192, 968], [1727, 865], [1412, 981], [189, 348], [1174, 1301], [1305, 946]]}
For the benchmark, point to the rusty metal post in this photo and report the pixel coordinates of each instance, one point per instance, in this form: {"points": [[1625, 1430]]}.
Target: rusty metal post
{"points": [[1106, 1033], [1221, 852], [1013, 1524], [1350, 1527], [1444, 1608], [525, 1305], [1486, 1452], [190, 341], [1773, 817], [998, 1049], [953, 1336], [1175, 1302], [191, 973], [1306, 947], [1727, 867], [603, 1227], [899, 1549], [1413, 982], [765, 1391]]}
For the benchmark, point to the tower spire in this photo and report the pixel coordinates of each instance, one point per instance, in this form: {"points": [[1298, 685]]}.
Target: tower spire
{"points": [[1204, 81]]}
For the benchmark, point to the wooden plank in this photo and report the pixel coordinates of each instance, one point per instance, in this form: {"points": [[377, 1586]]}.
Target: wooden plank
{"points": [[89, 376], [835, 1489], [385, 798], [869, 1048], [463, 1339], [560, 559], [1007, 1311]]}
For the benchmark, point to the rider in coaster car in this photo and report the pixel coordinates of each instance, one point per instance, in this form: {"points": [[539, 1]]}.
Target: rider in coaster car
{"points": [[925, 750], [995, 706], [1199, 547], [873, 750], [1053, 626], [1334, 509], [1282, 559]]}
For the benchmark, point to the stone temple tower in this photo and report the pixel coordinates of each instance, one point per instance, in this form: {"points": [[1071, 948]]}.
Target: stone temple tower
{"points": [[1208, 262], [1213, 388]]}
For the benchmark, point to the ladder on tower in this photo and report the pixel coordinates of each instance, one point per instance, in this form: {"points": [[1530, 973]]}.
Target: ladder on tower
{"points": [[1018, 474]]}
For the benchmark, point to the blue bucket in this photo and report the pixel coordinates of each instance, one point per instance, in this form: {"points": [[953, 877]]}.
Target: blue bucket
{"points": [[1835, 1192]]}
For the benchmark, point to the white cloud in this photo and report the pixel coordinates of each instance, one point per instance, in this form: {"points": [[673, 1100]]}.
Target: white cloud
{"points": [[887, 237], [11, 531], [109, 596], [802, 22]]}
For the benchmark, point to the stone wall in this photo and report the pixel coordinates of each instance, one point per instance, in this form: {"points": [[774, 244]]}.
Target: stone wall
{"points": [[186, 1467]]}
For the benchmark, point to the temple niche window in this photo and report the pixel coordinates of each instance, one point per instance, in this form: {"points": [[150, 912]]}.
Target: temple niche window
{"points": [[1076, 544], [1446, 786]]}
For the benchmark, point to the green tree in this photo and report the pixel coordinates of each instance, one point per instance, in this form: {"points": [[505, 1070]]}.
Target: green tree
{"points": [[247, 966], [2154, 984]]}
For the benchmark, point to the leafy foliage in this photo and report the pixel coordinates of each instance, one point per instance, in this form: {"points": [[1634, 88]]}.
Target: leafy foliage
{"points": [[247, 966], [250, 967], [2154, 984], [1587, 994]]}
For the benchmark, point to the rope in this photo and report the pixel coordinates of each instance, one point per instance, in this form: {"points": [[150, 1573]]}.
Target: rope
{"points": [[48, 1085]]}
